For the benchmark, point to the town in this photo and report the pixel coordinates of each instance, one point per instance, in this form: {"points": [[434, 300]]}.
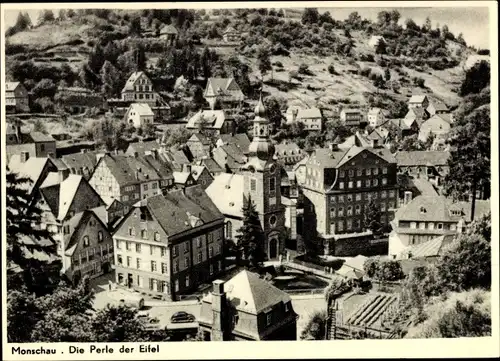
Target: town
{"points": [[245, 174]]}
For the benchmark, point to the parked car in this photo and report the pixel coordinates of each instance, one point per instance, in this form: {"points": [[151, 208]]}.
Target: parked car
{"points": [[182, 317]]}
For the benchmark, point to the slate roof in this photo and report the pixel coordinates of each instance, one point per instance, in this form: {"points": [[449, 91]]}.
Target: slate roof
{"points": [[223, 87], [308, 113], [422, 158], [197, 170], [179, 211], [241, 140], [381, 152], [249, 293], [124, 168], [438, 106], [213, 119], [437, 209], [142, 109], [419, 98], [198, 137], [235, 158], [231, 186], [31, 169], [142, 147], [418, 112], [76, 222], [211, 165], [431, 248], [81, 160]]}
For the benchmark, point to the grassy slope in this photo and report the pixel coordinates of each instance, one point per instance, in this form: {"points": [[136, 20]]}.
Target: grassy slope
{"points": [[339, 86]]}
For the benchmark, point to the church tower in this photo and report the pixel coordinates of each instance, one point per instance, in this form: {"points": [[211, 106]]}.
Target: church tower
{"points": [[262, 182]]}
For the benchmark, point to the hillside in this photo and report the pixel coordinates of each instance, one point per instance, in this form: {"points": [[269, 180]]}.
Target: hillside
{"points": [[70, 41]]}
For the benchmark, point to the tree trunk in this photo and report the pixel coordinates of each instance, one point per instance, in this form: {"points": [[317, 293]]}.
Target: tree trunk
{"points": [[473, 205]]}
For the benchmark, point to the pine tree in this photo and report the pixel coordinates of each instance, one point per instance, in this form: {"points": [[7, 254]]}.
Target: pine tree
{"points": [[250, 238], [373, 218], [111, 80]]}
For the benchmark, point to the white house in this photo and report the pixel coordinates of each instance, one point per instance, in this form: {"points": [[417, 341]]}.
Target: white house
{"points": [[139, 114], [376, 117]]}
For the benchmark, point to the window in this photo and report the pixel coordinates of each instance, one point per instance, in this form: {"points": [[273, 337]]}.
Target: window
{"points": [[383, 194], [351, 172], [210, 252], [154, 186], [440, 226], [358, 196], [144, 234], [186, 262], [340, 226], [341, 185], [349, 211], [211, 269], [382, 207], [367, 182], [272, 185], [350, 184], [349, 224], [100, 236], [129, 261], [391, 194], [358, 209], [138, 263], [127, 246], [200, 257], [341, 199], [287, 307], [186, 247], [157, 236], [219, 265], [125, 198], [138, 247], [198, 242], [358, 184], [269, 318], [253, 184], [153, 266], [136, 196], [422, 225], [413, 225], [210, 237], [384, 170], [86, 242], [453, 227], [359, 172], [119, 259], [332, 212], [431, 225], [176, 285], [349, 198], [175, 250], [145, 187], [375, 182], [176, 265], [131, 231], [375, 171], [342, 174], [187, 280], [341, 211], [140, 281], [384, 181], [332, 199], [91, 254]]}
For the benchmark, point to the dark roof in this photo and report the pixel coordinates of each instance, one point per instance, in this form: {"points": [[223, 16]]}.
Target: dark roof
{"points": [[179, 211], [201, 138], [81, 160], [419, 112], [422, 158], [211, 165], [125, 168], [142, 147], [241, 140]]}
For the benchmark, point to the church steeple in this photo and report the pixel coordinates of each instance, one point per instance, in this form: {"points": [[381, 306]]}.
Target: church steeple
{"points": [[261, 147]]}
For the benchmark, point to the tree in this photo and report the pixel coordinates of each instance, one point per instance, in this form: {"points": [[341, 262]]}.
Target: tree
{"points": [[23, 22], [274, 106], [62, 15], [22, 315], [45, 16], [371, 266], [387, 74], [250, 237], [111, 80], [476, 79], [310, 16], [45, 88], [70, 13], [315, 329], [264, 62], [428, 24], [331, 69], [373, 218], [135, 26], [389, 270], [334, 290], [469, 159], [198, 99]]}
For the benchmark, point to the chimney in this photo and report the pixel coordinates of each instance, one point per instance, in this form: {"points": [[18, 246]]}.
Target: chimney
{"points": [[25, 156], [333, 146], [187, 168], [136, 154], [83, 150], [408, 196], [137, 175], [218, 305], [63, 174]]}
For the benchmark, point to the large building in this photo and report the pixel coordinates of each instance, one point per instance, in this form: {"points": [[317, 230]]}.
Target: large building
{"points": [[429, 165], [247, 308], [216, 121], [139, 88], [338, 187], [427, 217], [258, 179], [168, 245]]}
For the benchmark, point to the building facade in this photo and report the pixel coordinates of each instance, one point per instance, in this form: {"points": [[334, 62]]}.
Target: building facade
{"points": [[170, 244], [16, 97], [139, 88], [139, 115]]}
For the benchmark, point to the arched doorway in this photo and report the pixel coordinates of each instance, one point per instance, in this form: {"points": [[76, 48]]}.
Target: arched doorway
{"points": [[273, 247]]}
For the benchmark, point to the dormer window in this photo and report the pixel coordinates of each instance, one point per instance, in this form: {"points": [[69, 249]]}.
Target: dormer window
{"points": [[423, 210], [268, 318]]}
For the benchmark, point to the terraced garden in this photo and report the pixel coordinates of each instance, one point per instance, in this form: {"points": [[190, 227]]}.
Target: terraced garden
{"points": [[371, 311]]}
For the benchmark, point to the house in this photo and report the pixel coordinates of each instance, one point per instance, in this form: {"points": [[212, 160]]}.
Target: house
{"points": [[310, 117], [439, 125], [259, 179], [372, 139], [129, 178], [82, 163], [427, 217], [417, 114], [16, 98], [376, 117], [216, 121], [412, 187], [436, 107], [429, 250], [418, 101], [36, 144], [247, 308], [404, 127], [184, 178], [339, 186], [352, 117], [241, 141], [115, 210], [229, 157], [429, 165], [139, 115], [169, 33], [168, 245], [199, 145], [211, 165], [223, 91], [139, 88], [375, 39], [87, 245], [289, 154], [201, 176], [230, 35]]}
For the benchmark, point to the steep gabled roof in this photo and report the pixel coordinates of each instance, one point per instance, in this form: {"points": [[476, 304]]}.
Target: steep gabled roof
{"points": [[223, 87], [143, 109], [129, 85], [77, 222], [231, 186], [249, 293], [11, 85], [212, 119], [241, 140], [32, 168]]}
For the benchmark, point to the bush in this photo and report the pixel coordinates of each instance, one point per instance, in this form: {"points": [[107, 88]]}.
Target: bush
{"points": [[303, 69], [366, 72], [278, 64], [331, 69]]}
